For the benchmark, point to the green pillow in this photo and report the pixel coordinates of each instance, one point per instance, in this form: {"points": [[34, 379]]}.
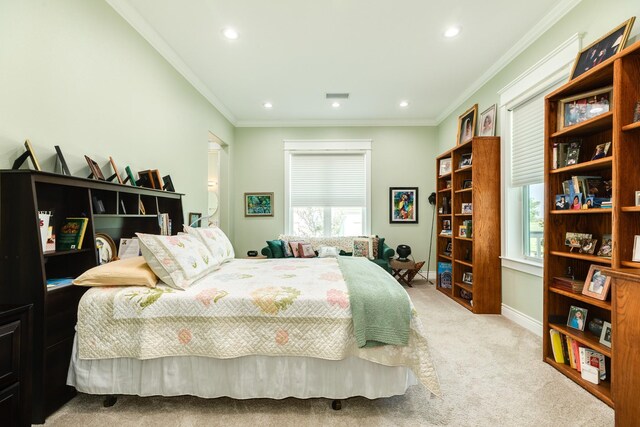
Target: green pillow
{"points": [[276, 248], [380, 247]]}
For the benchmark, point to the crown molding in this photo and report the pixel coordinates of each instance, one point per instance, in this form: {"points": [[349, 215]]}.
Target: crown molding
{"points": [[133, 17], [333, 123], [549, 20]]}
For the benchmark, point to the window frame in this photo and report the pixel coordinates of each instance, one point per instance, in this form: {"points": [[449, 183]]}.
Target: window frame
{"points": [[526, 223], [346, 146]]}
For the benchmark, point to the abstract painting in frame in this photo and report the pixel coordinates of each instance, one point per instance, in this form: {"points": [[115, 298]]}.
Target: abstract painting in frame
{"points": [[403, 203], [258, 204]]}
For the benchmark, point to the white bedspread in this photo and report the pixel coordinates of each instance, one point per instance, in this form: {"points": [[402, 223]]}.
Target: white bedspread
{"points": [[289, 307]]}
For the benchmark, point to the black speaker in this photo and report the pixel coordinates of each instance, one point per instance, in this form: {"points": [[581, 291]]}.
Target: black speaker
{"points": [[252, 253], [432, 199]]}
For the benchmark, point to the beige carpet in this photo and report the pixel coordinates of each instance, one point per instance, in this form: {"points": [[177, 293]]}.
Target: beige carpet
{"points": [[490, 371]]}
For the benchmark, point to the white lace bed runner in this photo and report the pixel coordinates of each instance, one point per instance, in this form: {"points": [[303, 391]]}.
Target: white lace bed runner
{"points": [[274, 307]]}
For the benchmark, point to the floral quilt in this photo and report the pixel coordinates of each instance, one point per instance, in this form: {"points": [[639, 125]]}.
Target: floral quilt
{"points": [[274, 307]]}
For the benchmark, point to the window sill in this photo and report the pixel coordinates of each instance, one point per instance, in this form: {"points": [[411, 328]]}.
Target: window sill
{"points": [[523, 265]]}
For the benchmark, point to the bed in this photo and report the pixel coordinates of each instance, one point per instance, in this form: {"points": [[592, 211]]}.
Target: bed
{"points": [[271, 328]]}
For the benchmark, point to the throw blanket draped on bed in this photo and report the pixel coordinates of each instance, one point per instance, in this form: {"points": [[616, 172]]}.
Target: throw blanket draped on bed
{"points": [[273, 307], [379, 305]]}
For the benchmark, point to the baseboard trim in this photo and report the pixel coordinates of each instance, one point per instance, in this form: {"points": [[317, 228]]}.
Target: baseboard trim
{"points": [[522, 319], [432, 274]]}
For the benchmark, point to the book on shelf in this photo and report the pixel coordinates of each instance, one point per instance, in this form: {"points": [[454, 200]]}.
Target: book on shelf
{"points": [[569, 347], [445, 278], [164, 223], [44, 218], [575, 350], [595, 359], [556, 346], [52, 283], [71, 234]]}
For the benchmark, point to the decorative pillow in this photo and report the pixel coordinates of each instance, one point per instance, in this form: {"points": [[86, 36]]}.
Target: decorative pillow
{"points": [[288, 253], [375, 241], [125, 272], [295, 248], [362, 247], [380, 247], [276, 247], [306, 250], [215, 240], [328, 251], [177, 260]]}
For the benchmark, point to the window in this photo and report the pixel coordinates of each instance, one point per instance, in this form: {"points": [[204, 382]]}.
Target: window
{"points": [[327, 188], [533, 221]]}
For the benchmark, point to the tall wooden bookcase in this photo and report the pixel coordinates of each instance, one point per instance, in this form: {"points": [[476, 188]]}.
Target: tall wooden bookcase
{"points": [[622, 221], [478, 254], [25, 266]]}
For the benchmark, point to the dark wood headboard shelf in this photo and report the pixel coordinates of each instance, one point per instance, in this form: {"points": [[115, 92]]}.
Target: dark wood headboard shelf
{"points": [[25, 266]]}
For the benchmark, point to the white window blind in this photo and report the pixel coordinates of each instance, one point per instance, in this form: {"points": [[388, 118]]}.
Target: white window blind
{"points": [[527, 152], [328, 180]]}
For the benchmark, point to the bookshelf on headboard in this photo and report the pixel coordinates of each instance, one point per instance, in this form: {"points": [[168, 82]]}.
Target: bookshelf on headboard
{"points": [[25, 265]]}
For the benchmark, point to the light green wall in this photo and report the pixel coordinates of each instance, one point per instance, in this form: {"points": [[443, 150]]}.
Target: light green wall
{"points": [[401, 156], [521, 291], [75, 74]]}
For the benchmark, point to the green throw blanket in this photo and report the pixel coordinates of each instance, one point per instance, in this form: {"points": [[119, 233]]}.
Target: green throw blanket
{"points": [[380, 306]]}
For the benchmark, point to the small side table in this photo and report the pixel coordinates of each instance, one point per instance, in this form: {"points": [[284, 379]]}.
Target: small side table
{"points": [[405, 271]]}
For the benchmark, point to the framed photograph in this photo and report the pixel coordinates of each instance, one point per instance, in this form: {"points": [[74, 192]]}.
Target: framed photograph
{"points": [[636, 249], [106, 248], [637, 198], [462, 231], [168, 184], [194, 219], [580, 108], [448, 249], [403, 203], [467, 208], [130, 177], [96, 172], [602, 49], [588, 246], [636, 113], [465, 160], [605, 335], [597, 283], [258, 204], [562, 202], [445, 166], [60, 160], [601, 150], [573, 153], [116, 175], [467, 278], [574, 240], [588, 204], [488, 121], [467, 183], [577, 318], [467, 125], [606, 247], [446, 224]]}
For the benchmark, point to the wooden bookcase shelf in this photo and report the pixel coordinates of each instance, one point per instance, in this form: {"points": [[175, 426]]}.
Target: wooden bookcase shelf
{"points": [[622, 72], [483, 248], [25, 267]]}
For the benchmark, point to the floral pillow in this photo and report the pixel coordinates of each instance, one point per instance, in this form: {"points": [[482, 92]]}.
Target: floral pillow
{"points": [[328, 252], [363, 247], [306, 250], [295, 248], [215, 240], [288, 253], [177, 260]]}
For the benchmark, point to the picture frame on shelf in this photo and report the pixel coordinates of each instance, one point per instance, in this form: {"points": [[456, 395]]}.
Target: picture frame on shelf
{"points": [[445, 166], [579, 108], [467, 208], [130, 177], [588, 246], [96, 172], [446, 224], [64, 169], [636, 113], [194, 219], [462, 231], [488, 121], [562, 202], [448, 248], [465, 161], [116, 174], [601, 151], [403, 205], [258, 204], [106, 248], [597, 284], [168, 184], [602, 49], [467, 183], [467, 277], [577, 318], [637, 198], [605, 335], [467, 125], [29, 152], [636, 249], [606, 247], [573, 153]]}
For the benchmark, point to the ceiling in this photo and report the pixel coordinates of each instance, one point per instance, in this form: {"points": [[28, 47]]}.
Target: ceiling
{"points": [[292, 52]]}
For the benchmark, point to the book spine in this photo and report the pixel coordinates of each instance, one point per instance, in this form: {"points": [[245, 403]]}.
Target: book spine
{"points": [[556, 346]]}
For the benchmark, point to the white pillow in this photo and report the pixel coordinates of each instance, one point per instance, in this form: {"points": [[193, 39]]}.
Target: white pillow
{"points": [[215, 240], [328, 251], [177, 260]]}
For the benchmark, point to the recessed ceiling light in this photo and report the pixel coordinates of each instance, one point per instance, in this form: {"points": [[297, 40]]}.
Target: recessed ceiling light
{"points": [[267, 105], [452, 32], [404, 104], [335, 104], [230, 33]]}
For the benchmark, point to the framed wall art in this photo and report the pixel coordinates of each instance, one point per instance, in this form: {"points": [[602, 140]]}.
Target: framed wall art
{"points": [[258, 204], [403, 205], [467, 125]]}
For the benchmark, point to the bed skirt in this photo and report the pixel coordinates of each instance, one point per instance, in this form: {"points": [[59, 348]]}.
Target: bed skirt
{"points": [[246, 377]]}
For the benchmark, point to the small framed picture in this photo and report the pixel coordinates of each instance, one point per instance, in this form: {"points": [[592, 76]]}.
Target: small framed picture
{"points": [[467, 278], [462, 231], [577, 318], [446, 224], [258, 204], [447, 183], [573, 153], [588, 246], [467, 183], [465, 160], [445, 166], [194, 219], [606, 247], [601, 150], [636, 249], [467, 125], [96, 172], [115, 170], [597, 283], [588, 204], [61, 161], [637, 198], [583, 107], [562, 202], [130, 177], [467, 208], [488, 121], [605, 335], [636, 113], [448, 249]]}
